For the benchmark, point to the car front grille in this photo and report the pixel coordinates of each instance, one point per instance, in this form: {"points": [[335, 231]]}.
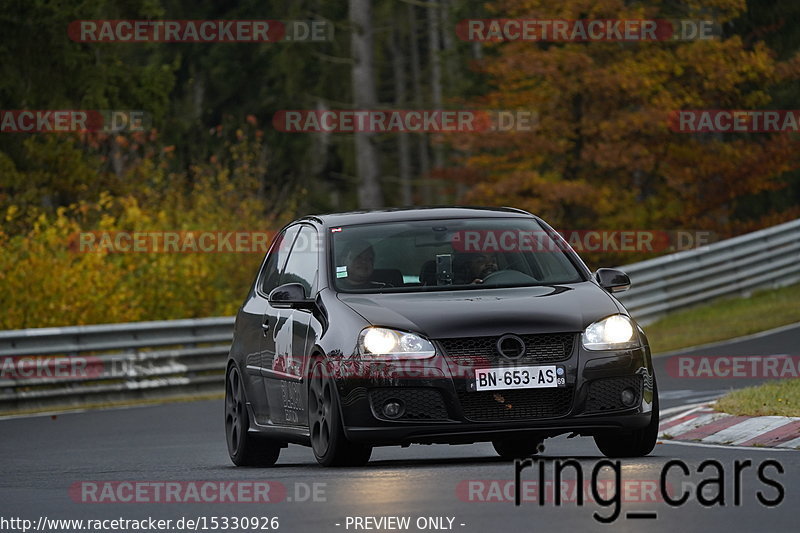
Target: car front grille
{"points": [[419, 403], [604, 394], [482, 351], [516, 404]]}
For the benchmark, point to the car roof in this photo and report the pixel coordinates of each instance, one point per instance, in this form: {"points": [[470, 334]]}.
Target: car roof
{"points": [[414, 213]]}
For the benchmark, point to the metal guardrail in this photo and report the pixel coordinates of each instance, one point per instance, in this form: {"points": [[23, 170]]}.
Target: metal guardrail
{"points": [[81, 366], [764, 258], [125, 363]]}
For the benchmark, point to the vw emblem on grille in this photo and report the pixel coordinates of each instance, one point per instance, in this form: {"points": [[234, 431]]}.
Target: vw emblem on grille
{"points": [[511, 347]]}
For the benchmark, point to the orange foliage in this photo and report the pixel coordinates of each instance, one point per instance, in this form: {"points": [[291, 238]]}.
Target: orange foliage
{"points": [[601, 155]]}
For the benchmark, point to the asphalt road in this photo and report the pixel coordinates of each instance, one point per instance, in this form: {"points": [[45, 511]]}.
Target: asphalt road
{"points": [[677, 391], [44, 457]]}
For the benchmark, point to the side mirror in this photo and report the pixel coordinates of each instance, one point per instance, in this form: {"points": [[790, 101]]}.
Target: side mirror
{"points": [[612, 280], [290, 295]]}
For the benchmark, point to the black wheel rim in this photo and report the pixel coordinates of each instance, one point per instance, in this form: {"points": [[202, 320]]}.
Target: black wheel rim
{"points": [[320, 402], [234, 409]]}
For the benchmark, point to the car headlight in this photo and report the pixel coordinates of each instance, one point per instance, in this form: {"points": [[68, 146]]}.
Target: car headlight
{"points": [[384, 343], [616, 332]]}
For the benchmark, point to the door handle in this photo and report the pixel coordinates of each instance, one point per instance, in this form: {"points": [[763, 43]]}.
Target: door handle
{"points": [[265, 326]]}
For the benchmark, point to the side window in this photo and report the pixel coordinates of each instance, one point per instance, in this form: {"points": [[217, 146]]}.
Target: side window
{"points": [[277, 259], [303, 262]]}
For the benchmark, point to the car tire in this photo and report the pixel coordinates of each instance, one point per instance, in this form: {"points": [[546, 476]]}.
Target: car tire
{"points": [[328, 441], [244, 448], [636, 443], [518, 447]]}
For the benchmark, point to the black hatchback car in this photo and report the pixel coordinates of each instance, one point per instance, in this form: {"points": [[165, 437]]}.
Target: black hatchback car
{"points": [[433, 325]]}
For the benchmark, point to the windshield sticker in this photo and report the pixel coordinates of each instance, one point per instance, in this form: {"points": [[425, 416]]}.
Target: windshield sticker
{"points": [[341, 271]]}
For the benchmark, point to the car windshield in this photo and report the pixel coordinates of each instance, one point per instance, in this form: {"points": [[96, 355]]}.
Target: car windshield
{"points": [[458, 254]]}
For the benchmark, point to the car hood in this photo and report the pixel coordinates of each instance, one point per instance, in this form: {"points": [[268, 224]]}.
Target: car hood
{"points": [[468, 313]]}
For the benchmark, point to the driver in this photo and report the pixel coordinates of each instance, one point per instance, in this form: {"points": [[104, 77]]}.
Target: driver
{"points": [[474, 267], [359, 258]]}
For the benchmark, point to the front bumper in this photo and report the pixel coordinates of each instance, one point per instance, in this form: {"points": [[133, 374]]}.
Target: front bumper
{"points": [[439, 408]]}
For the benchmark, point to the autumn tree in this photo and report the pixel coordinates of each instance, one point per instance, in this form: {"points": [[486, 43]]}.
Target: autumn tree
{"points": [[602, 154]]}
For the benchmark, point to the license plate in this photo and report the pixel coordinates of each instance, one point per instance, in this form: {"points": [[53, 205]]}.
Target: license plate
{"points": [[519, 377]]}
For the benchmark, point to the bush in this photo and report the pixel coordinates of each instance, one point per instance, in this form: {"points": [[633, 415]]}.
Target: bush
{"points": [[45, 281]]}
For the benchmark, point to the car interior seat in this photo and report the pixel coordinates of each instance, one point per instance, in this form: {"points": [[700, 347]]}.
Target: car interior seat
{"points": [[390, 276]]}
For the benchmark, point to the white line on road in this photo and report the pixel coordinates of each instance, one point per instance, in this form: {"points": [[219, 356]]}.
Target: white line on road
{"points": [[678, 409]]}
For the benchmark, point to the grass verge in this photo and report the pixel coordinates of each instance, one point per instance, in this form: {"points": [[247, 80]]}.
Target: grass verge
{"points": [[778, 398], [725, 318]]}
